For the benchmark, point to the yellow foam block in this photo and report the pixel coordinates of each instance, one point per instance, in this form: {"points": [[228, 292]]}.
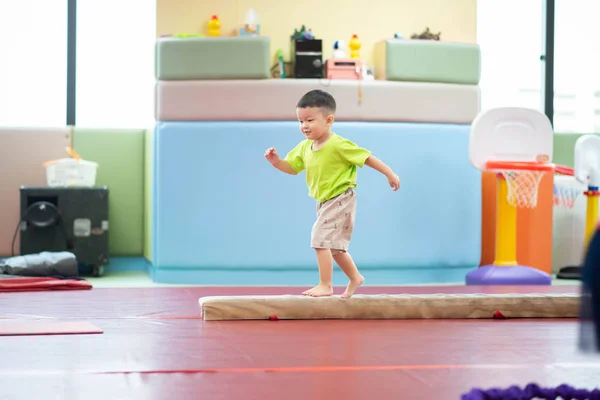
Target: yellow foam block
{"points": [[384, 306]]}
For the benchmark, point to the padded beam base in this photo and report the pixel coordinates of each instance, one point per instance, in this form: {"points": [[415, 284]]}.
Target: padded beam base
{"points": [[408, 306]]}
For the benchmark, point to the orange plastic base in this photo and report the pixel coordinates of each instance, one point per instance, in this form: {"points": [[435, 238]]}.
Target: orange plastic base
{"points": [[534, 226]]}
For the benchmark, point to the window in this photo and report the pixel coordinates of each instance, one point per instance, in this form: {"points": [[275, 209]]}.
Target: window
{"points": [[576, 67], [115, 63], [33, 70], [510, 33]]}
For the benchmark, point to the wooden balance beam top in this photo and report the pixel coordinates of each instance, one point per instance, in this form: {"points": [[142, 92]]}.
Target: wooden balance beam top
{"points": [[384, 306]]}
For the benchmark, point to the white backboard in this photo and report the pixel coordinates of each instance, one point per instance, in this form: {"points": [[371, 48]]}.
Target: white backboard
{"points": [[510, 134], [587, 159]]}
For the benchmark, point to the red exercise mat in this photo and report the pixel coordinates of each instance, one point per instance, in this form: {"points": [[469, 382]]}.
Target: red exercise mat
{"points": [[27, 284], [13, 328]]}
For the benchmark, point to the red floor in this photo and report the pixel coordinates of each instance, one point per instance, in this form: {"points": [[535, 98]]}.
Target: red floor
{"points": [[155, 346]]}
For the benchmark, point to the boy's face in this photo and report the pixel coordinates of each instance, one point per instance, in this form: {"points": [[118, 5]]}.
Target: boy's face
{"points": [[314, 122]]}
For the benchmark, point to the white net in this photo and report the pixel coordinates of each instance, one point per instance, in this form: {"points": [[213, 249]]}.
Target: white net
{"points": [[522, 187], [566, 191]]}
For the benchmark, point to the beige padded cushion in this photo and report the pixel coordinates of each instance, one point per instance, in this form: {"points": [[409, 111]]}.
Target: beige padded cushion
{"points": [[276, 99], [384, 306]]}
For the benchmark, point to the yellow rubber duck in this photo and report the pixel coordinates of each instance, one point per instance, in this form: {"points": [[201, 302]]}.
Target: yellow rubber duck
{"points": [[354, 46], [214, 26]]}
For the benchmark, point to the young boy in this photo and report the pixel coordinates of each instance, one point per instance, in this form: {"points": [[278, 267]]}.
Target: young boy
{"points": [[330, 162]]}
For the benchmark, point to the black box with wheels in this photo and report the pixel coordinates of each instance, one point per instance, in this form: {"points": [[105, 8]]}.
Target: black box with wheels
{"points": [[73, 219]]}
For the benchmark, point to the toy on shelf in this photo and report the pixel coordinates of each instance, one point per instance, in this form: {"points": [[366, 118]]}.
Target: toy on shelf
{"points": [[281, 64], [341, 67], [306, 54], [427, 35], [338, 49], [302, 34], [354, 46], [214, 26], [281, 69], [398, 36], [251, 24]]}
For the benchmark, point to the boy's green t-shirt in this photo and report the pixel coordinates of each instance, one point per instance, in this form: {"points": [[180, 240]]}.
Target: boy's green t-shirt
{"points": [[330, 170]]}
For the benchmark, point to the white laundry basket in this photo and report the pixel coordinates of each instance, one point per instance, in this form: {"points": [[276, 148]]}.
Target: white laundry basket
{"points": [[71, 172]]}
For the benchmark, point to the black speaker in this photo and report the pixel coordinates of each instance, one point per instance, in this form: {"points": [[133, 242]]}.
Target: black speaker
{"points": [[73, 219], [307, 57]]}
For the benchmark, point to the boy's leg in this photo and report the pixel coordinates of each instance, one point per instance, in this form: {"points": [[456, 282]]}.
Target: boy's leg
{"points": [[325, 286], [346, 263], [333, 230], [320, 240], [341, 256]]}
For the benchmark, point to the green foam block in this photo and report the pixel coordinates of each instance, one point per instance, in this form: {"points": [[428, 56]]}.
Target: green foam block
{"points": [[427, 61], [148, 182], [120, 154], [200, 58]]}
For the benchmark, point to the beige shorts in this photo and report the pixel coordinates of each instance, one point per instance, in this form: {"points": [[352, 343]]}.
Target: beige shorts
{"points": [[335, 223]]}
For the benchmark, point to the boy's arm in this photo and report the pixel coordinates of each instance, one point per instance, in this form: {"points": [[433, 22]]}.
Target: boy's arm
{"points": [[379, 165], [358, 156], [284, 166]]}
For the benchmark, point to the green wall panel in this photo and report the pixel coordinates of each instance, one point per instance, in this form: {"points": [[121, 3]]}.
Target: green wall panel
{"points": [[564, 148], [120, 154], [148, 171]]}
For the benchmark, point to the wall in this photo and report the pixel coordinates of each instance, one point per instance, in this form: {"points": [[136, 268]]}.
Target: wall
{"points": [[330, 21], [564, 148]]}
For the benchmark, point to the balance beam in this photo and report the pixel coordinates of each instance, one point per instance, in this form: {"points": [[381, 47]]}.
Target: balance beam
{"points": [[384, 306]]}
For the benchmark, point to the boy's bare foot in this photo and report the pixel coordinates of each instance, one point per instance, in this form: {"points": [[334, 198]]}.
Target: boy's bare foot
{"points": [[319, 291], [352, 286]]}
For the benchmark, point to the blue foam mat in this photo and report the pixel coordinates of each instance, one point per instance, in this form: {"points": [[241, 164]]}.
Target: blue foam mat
{"points": [[219, 205]]}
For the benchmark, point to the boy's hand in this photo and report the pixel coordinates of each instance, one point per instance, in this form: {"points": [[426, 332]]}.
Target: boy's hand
{"points": [[282, 165], [376, 164], [394, 181], [272, 156]]}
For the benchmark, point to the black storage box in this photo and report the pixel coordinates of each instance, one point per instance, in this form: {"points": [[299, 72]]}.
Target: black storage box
{"points": [[73, 219], [307, 57]]}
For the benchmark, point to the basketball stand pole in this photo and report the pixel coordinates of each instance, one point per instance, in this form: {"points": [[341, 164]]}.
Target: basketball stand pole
{"points": [[505, 270], [587, 171], [591, 219]]}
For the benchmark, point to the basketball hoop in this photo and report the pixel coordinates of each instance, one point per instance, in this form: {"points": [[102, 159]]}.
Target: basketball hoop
{"points": [[565, 195], [523, 181], [517, 145]]}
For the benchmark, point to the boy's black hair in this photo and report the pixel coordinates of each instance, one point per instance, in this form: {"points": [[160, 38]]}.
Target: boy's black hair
{"points": [[318, 99]]}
